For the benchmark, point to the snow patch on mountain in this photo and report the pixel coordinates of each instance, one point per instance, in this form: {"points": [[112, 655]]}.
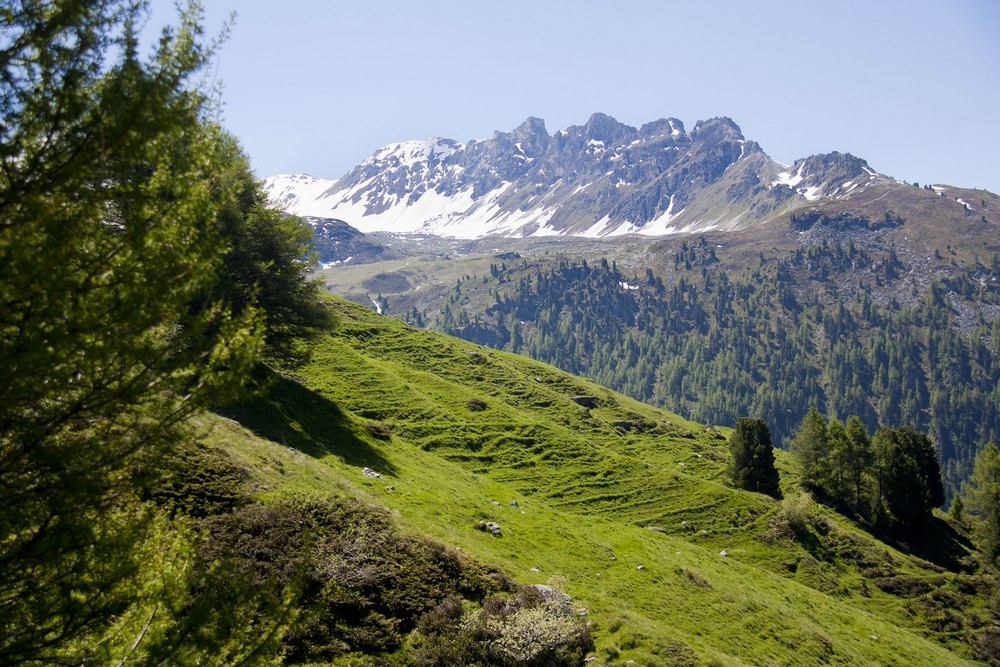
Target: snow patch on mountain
{"points": [[786, 178], [299, 194], [410, 153], [597, 180]]}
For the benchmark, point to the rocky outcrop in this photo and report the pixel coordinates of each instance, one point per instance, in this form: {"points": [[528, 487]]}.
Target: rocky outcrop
{"points": [[843, 220]]}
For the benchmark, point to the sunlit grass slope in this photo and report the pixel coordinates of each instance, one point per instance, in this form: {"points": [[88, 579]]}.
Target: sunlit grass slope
{"points": [[621, 505]]}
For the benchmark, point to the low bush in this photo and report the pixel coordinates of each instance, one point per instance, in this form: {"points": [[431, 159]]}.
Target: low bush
{"points": [[533, 626], [379, 430], [987, 646], [199, 481], [361, 585]]}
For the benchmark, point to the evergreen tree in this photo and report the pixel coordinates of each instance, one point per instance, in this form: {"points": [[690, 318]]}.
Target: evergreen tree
{"points": [[751, 465], [111, 333], [837, 485], [268, 255], [983, 494], [957, 509], [810, 447], [909, 475], [858, 458]]}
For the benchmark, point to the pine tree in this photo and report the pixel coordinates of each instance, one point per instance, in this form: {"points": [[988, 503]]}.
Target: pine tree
{"points": [[111, 332], [909, 475], [810, 447], [983, 494], [837, 484], [858, 458], [751, 465], [268, 255]]}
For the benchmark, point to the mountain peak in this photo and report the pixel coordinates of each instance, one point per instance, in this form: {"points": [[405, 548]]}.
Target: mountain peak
{"points": [[531, 127], [407, 153], [719, 128], [664, 126], [602, 127], [598, 179]]}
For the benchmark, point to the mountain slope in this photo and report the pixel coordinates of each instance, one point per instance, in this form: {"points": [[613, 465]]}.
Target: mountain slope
{"points": [[600, 179], [830, 304], [618, 503]]}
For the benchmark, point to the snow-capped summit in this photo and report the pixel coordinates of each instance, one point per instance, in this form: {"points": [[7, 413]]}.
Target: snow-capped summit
{"points": [[600, 179]]}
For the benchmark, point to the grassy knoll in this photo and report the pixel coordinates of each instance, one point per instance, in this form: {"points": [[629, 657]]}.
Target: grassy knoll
{"points": [[621, 505]]}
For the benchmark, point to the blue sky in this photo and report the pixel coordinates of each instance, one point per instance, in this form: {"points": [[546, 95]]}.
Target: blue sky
{"points": [[315, 86]]}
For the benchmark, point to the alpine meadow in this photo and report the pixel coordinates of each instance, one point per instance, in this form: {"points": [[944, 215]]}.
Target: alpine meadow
{"points": [[609, 396]]}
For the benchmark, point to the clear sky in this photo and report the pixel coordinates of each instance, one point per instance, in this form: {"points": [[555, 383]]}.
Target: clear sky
{"points": [[912, 86]]}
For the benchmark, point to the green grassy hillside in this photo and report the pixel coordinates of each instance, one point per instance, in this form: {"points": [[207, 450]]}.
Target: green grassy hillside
{"points": [[621, 505]]}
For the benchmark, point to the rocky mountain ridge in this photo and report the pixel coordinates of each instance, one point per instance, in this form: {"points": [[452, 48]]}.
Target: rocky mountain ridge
{"points": [[603, 178]]}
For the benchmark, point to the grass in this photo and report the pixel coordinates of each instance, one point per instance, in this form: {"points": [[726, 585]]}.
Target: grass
{"points": [[631, 524]]}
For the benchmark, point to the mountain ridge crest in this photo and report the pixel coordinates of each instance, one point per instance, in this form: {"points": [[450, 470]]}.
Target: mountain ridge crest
{"points": [[603, 178]]}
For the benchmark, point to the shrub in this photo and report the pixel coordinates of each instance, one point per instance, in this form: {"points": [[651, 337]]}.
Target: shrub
{"points": [[379, 430], [534, 626], [906, 587], [988, 646], [796, 511], [476, 405], [361, 585], [676, 653], [200, 481]]}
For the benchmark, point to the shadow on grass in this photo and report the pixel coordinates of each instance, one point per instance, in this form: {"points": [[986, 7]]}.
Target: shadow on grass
{"points": [[285, 412], [941, 544]]}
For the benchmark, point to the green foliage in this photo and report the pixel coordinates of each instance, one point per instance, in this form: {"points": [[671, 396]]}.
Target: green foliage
{"points": [[197, 481], [795, 514], [957, 509], [811, 447], [268, 256], [839, 455], [362, 585], [835, 460], [110, 333], [983, 494], [909, 476], [892, 481], [533, 626], [857, 458], [752, 464], [179, 614]]}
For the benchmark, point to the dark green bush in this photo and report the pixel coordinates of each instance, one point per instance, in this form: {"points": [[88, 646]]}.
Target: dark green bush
{"points": [[200, 481], [379, 430], [362, 586], [988, 646], [532, 626]]}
